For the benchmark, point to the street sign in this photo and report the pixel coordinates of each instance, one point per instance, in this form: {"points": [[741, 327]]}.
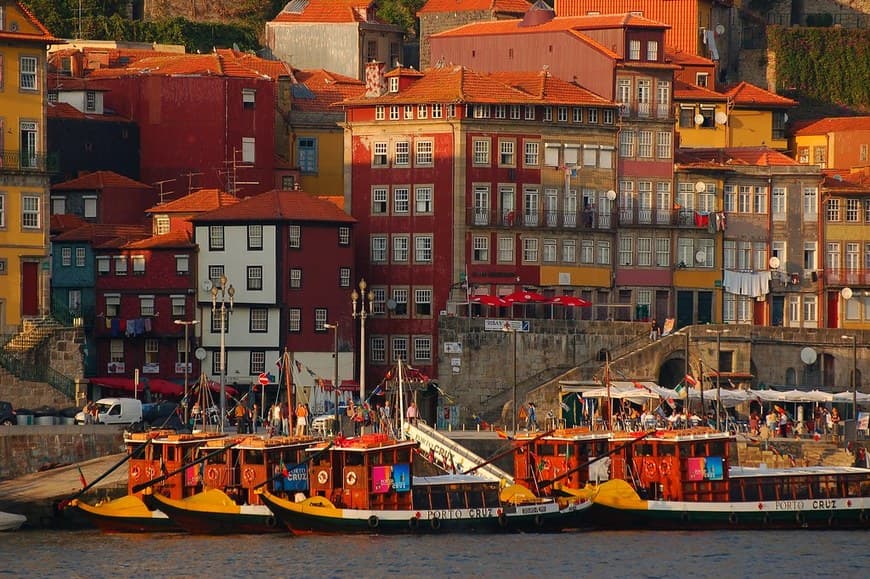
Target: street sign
{"points": [[263, 379]]}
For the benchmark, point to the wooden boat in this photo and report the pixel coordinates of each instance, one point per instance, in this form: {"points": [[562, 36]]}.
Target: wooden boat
{"points": [[367, 485], [683, 479], [152, 454], [229, 503], [11, 521]]}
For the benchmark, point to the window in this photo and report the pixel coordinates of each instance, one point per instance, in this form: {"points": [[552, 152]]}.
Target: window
{"points": [[379, 156], [607, 116], [663, 252], [30, 218], [179, 306], [423, 199], [152, 351], [506, 249], [548, 113], [161, 224], [295, 278], [530, 250], [146, 305], [380, 302], [138, 265], [577, 115], [562, 114], [572, 154], [481, 111], [529, 113], [652, 50], [28, 75], [400, 348], [400, 248], [702, 79], [294, 236], [116, 351], [634, 50], [2, 198], [603, 252], [255, 277], [644, 251], [321, 315], [832, 212], [779, 124], [423, 154], [605, 158], [423, 248], [394, 84], [730, 198], [249, 98], [644, 144], [344, 235], [500, 111], [422, 111], [249, 146], [403, 154], [820, 155], [216, 238], [569, 251], [480, 249], [853, 210], [625, 250], [378, 350], [113, 306], [687, 117], [294, 320], [436, 111], [811, 206], [379, 201], [400, 297], [506, 153], [103, 266], [306, 154], [810, 261], [120, 265], [587, 251], [409, 112], [380, 113], [531, 157], [66, 256], [423, 349], [257, 362], [255, 237], [28, 139], [394, 113], [548, 254], [344, 277], [663, 145], [259, 320], [515, 112], [480, 151], [626, 143], [379, 249], [58, 205], [590, 155], [423, 302], [551, 154], [778, 203], [401, 200]]}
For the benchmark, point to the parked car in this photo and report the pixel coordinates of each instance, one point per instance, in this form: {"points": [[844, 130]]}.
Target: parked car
{"points": [[115, 411], [7, 414]]}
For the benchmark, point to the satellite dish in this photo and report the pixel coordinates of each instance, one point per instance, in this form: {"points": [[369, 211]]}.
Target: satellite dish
{"points": [[199, 353], [391, 304], [700, 256], [846, 292], [611, 194], [785, 117], [808, 356], [206, 285], [699, 119], [721, 118], [774, 262], [720, 30], [700, 186]]}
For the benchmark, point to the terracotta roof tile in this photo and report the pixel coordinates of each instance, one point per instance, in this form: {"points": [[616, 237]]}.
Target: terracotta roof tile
{"points": [[63, 222], [197, 202], [171, 240], [832, 125], [101, 233], [99, 180], [684, 58], [564, 23], [497, 6], [753, 96], [684, 90], [306, 11], [67, 111], [548, 88], [744, 156], [41, 34], [322, 89], [223, 63], [277, 205]]}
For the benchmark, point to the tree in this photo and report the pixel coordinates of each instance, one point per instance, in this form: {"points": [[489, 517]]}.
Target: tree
{"points": [[402, 13]]}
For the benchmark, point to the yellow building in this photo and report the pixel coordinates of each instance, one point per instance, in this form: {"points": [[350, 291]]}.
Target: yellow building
{"points": [[757, 117], [24, 185]]}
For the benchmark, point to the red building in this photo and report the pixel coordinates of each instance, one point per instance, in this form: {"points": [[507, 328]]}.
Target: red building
{"points": [[103, 197], [456, 172]]}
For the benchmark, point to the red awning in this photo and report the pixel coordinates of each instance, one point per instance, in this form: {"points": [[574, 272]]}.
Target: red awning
{"points": [[349, 386], [216, 387], [155, 385]]}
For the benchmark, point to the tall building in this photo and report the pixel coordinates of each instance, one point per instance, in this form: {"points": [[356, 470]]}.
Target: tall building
{"points": [[24, 182]]}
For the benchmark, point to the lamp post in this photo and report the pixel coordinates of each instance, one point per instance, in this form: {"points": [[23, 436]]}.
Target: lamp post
{"points": [[334, 328], [508, 328], [718, 374], [224, 291], [366, 302], [854, 381], [186, 324]]}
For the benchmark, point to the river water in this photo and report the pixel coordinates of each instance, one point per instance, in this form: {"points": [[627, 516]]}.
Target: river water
{"points": [[89, 554]]}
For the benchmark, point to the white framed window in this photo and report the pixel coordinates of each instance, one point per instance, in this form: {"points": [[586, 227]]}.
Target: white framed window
{"points": [[103, 265], [379, 201], [529, 113], [401, 245], [295, 278], [652, 50], [306, 155], [294, 320], [294, 236], [577, 115], [259, 320], [255, 277], [66, 256], [380, 112], [423, 248], [152, 351], [216, 238], [562, 114], [402, 156], [113, 306], [759, 200], [116, 351], [778, 199], [810, 255], [379, 249], [182, 264], [853, 210], [516, 112], [424, 153], [437, 111], [256, 362], [120, 265], [28, 75], [255, 237], [811, 203], [548, 114], [626, 250], [423, 302], [146, 305], [644, 144], [320, 319], [551, 154], [507, 153], [401, 200], [505, 249], [530, 250], [58, 205], [587, 251], [531, 155], [730, 195], [634, 49], [480, 152], [626, 143], [548, 254], [380, 301], [480, 249], [422, 349], [400, 297], [344, 277], [571, 154], [663, 252], [399, 348], [179, 306], [30, 212], [249, 147], [422, 111], [423, 199], [161, 224], [249, 98], [663, 145], [2, 210], [644, 251], [378, 350], [394, 113], [569, 251], [379, 154], [409, 112], [344, 235], [138, 264], [602, 253]]}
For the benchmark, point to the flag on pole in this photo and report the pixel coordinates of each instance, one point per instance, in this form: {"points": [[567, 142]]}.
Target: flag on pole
{"points": [[82, 477], [690, 380]]}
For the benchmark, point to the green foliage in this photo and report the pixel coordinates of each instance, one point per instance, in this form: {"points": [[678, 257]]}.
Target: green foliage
{"points": [[824, 64], [401, 13]]}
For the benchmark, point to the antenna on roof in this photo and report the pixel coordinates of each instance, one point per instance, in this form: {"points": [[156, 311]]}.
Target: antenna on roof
{"points": [[164, 193], [190, 177]]}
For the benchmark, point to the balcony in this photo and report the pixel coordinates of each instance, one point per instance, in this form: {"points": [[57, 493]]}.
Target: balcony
{"points": [[847, 277], [541, 220], [649, 217], [25, 161]]}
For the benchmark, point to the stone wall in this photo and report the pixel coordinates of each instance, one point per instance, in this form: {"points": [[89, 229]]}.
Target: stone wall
{"points": [[61, 351], [26, 449]]}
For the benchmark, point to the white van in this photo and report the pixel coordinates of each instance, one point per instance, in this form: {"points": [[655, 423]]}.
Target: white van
{"points": [[115, 411]]}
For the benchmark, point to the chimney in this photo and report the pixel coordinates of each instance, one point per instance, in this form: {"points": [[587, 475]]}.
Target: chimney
{"points": [[376, 84]]}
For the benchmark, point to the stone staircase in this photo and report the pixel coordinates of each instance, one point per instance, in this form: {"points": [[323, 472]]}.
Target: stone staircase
{"points": [[781, 453], [33, 332]]}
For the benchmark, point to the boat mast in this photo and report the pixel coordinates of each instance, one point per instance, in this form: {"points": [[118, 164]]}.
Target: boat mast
{"points": [[401, 408]]}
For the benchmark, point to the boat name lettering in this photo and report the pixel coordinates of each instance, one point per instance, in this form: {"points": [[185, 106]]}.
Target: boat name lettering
{"points": [[532, 510], [825, 504], [460, 513], [789, 505]]}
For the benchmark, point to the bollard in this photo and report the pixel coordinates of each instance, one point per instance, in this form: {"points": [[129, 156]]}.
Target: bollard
{"points": [[449, 427], [478, 427]]}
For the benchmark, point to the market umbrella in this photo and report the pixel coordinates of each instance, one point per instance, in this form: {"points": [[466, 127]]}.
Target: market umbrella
{"points": [[525, 297], [488, 300], [572, 301]]}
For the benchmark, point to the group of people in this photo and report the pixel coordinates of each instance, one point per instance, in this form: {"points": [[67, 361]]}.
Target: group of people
{"points": [[528, 416], [777, 422], [91, 412]]}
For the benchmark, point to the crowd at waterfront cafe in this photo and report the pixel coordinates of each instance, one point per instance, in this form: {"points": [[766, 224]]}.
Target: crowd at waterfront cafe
{"points": [[646, 405]]}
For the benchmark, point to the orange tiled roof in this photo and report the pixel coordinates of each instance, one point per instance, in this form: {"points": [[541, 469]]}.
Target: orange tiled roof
{"points": [[564, 23], [685, 90], [336, 11], [278, 205], [67, 111], [847, 181], [100, 233], [745, 156], [832, 125], [99, 180], [42, 35], [63, 222], [323, 89], [171, 240], [223, 63], [459, 84], [196, 202], [744, 93], [499, 6], [684, 58]]}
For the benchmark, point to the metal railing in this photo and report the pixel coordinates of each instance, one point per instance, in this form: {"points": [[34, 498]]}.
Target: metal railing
{"points": [[17, 160], [37, 373], [537, 219]]}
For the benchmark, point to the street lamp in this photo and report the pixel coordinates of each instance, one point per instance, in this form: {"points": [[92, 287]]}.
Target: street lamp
{"points": [[718, 374], [334, 328], [225, 291], [854, 380], [186, 324], [366, 302], [508, 328]]}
